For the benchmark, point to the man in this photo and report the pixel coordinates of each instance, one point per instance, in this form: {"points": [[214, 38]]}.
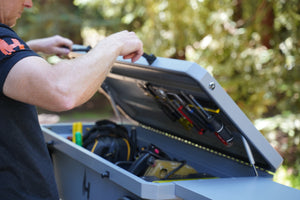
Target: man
{"points": [[26, 80]]}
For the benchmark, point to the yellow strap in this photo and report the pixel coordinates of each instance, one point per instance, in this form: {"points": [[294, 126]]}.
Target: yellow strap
{"points": [[93, 149], [126, 141], [128, 147]]}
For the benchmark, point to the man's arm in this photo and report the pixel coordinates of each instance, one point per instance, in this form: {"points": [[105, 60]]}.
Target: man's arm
{"points": [[71, 82], [57, 45]]}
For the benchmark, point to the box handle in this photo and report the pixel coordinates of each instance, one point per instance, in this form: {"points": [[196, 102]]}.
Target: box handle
{"points": [[150, 58]]}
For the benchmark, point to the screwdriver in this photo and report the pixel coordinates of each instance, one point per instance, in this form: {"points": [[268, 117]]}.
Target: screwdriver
{"points": [[215, 125]]}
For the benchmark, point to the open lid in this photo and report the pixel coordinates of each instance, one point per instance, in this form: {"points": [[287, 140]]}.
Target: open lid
{"points": [[183, 99]]}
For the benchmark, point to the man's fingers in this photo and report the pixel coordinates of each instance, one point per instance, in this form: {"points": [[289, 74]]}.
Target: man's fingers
{"points": [[134, 56], [129, 56]]}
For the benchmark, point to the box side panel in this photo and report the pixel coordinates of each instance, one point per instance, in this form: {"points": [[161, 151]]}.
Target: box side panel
{"points": [[77, 182], [237, 188], [73, 163]]}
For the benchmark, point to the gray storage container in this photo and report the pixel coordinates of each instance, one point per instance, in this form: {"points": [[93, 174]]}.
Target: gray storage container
{"points": [[163, 102]]}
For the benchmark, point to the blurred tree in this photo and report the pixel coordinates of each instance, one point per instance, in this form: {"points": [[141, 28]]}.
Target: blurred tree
{"points": [[51, 17]]}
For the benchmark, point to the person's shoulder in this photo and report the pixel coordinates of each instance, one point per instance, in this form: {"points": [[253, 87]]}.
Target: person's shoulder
{"points": [[11, 45], [5, 27], [6, 31]]}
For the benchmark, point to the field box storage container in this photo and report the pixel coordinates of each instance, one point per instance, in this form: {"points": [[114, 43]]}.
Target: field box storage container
{"points": [[180, 109]]}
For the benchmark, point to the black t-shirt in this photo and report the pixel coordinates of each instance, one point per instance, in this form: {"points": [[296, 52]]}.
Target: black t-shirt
{"points": [[26, 170]]}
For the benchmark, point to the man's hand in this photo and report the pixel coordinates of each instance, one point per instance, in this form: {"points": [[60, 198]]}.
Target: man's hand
{"points": [[130, 46], [55, 45]]}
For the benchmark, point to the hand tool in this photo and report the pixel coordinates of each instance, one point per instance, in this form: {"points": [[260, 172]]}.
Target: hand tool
{"points": [[214, 124]]}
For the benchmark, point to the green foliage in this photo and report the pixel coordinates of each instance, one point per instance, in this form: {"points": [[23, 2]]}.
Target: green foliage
{"points": [[285, 175], [51, 17], [283, 132]]}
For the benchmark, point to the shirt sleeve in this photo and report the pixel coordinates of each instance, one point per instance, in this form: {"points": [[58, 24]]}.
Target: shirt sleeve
{"points": [[12, 50]]}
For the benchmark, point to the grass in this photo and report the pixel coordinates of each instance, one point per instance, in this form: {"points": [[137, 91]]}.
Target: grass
{"points": [[84, 116]]}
